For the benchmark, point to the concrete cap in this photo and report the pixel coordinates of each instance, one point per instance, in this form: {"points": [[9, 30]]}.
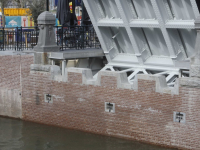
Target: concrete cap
{"points": [[46, 18], [197, 23]]}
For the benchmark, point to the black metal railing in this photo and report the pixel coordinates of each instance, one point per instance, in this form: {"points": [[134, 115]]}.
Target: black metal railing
{"points": [[70, 37], [77, 37], [19, 38]]}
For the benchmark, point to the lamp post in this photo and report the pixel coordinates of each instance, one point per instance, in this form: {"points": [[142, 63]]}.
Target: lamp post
{"points": [[47, 5]]}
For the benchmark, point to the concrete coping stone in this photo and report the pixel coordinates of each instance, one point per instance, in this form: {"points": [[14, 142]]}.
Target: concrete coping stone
{"points": [[121, 78], [161, 84], [53, 69], [193, 82], [13, 53]]}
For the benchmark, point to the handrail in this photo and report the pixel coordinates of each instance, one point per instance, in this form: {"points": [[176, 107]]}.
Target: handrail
{"points": [[67, 38]]}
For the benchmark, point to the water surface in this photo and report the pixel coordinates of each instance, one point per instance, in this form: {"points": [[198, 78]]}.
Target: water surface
{"points": [[21, 135]]}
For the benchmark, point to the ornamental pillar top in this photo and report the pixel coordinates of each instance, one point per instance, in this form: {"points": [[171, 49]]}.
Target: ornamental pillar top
{"points": [[46, 18]]}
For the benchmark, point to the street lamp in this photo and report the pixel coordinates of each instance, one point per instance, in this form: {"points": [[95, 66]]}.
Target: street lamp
{"points": [[47, 5]]}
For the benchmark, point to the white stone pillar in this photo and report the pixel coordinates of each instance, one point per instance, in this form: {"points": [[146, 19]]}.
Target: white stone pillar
{"points": [[52, 62], [63, 68]]}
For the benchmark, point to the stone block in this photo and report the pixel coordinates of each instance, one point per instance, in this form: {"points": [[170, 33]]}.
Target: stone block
{"points": [[195, 71], [190, 82], [42, 58]]}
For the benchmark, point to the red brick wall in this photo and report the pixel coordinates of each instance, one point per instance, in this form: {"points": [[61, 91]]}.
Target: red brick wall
{"points": [[142, 115], [13, 69], [10, 70], [74, 78], [109, 81]]}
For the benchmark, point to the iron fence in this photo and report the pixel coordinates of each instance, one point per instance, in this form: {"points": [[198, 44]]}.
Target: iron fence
{"points": [[77, 37], [70, 37], [19, 38]]}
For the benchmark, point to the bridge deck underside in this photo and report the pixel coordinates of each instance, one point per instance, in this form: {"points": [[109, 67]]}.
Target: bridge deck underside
{"points": [[145, 32], [149, 35]]}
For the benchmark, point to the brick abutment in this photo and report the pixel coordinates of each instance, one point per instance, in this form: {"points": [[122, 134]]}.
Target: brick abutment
{"points": [[144, 111]]}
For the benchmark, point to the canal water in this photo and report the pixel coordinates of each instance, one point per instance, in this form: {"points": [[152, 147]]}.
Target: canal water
{"points": [[21, 135]]}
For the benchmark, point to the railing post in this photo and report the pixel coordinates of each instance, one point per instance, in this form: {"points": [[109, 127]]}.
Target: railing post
{"points": [[17, 38], [36, 35], [84, 36], [3, 38], [21, 38], [62, 38], [57, 35]]}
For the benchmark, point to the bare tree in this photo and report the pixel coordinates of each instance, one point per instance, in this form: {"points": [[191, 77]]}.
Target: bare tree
{"points": [[3, 4], [36, 8], [22, 3], [17, 2]]}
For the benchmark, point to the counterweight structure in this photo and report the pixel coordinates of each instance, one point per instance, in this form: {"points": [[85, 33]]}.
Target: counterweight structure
{"points": [[146, 36]]}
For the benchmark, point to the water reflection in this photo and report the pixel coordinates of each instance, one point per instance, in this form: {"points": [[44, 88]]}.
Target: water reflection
{"points": [[10, 134], [20, 135]]}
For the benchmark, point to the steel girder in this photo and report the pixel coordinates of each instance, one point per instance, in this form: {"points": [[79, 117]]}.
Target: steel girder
{"points": [[155, 34]]}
